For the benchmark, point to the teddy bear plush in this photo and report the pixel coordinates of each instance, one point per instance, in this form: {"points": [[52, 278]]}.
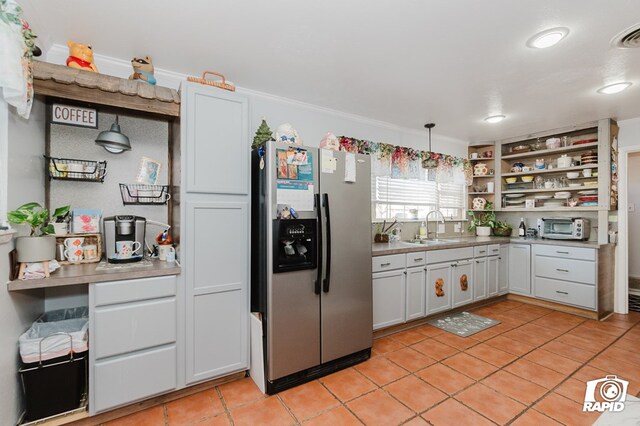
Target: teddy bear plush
{"points": [[439, 287], [80, 56], [464, 282], [143, 70]]}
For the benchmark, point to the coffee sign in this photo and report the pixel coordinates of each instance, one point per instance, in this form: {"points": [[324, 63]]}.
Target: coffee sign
{"points": [[74, 116]]}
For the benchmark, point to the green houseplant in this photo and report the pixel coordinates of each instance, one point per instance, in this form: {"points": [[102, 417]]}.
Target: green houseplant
{"points": [[482, 222], [39, 245], [502, 229]]}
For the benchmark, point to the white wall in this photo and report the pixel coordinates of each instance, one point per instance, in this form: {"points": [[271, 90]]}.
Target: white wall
{"points": [[629, 132], [18, 309], [634, 216]]}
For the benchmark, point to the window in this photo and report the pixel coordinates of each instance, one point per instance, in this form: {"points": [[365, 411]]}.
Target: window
{"points": [[414, 199]]}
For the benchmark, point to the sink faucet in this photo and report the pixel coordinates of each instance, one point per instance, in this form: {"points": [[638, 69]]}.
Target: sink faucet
{"points": [[437, 212]]}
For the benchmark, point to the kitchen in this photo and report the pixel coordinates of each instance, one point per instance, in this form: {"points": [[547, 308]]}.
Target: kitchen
{"points": [[159, 134]]}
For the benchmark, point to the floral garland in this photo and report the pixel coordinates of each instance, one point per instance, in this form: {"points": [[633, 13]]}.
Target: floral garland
{"points": [[402, 156]]}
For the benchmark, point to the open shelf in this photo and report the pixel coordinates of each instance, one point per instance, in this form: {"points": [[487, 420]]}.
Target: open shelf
{"points": [[556, 170], [555, 151], [550, 209], [480, 193], [533, 191]]}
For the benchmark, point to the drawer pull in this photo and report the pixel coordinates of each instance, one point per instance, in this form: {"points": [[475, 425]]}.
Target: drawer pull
{"points": [[562, 252], [418, 259], [482, 251], [500, 257], [385, 264], [453, 265], [562, 270], [495, 250], [562, 292]]}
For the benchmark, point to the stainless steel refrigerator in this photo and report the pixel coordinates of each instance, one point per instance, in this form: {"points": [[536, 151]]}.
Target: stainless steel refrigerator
{"points": [[311, 266]]}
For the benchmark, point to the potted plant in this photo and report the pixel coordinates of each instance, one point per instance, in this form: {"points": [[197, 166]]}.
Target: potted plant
{"points": [[39, 245], [502, 229], [60, 220], [482, 222]]}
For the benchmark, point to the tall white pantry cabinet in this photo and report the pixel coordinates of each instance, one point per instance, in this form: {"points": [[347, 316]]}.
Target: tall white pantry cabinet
{"points": [[214, 221]]}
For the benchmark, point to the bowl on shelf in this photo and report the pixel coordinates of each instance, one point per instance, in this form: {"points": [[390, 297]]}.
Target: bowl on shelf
{"points": [[520, 149], [477, 187], [553, 143], [511, 179], [573, 175], [527, 178]]}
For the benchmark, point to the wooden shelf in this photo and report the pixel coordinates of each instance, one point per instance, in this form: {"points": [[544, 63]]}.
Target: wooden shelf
{"points": [[480, 193], [484, 176], [550, 209], [556, 170], [482, 159], [533, 191], [561, 150]]}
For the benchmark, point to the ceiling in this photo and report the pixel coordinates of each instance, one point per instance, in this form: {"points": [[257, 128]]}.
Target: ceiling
{"points": [[404, 62]]}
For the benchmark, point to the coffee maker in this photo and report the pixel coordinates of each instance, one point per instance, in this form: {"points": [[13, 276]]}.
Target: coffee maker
{"points": [[123, 228]]}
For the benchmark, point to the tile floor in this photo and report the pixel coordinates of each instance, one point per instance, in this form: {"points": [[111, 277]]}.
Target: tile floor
{"points": [[529, 370]]}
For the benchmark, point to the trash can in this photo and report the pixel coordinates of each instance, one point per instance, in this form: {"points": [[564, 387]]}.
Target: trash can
{"points": [[54, 353]]}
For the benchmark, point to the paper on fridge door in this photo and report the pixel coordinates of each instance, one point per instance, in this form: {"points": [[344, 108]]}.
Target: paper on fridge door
{"points": [[298, 195], [328, 161], [350, 167]]}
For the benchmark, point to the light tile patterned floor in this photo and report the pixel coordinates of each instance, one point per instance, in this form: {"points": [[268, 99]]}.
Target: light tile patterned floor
{"points": [[529, 370]]}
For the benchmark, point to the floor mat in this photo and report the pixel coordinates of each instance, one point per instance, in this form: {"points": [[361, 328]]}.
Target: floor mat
{"points": [[463, 324], [634, 303]]}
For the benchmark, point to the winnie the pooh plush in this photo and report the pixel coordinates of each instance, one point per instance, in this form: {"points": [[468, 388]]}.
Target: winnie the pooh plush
{"points": [[143, 70], [80, 56], [439, 284]]}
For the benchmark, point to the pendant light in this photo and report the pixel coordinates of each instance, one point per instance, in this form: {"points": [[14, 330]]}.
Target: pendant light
{"points": [[430, 163], [113, 140]]}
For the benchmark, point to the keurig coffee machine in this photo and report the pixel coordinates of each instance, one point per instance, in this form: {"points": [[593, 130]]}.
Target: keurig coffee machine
{"points": [[124, 238]]}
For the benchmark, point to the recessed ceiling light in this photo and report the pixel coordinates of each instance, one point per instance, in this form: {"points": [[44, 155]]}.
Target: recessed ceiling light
{"points": [[494, 119], [614, 88], [548, 38]]}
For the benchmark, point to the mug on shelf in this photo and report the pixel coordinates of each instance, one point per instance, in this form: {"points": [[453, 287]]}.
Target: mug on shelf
{"points": [[164, 250], [586, 173], [73, 242], [126, 249], [73, 254]]}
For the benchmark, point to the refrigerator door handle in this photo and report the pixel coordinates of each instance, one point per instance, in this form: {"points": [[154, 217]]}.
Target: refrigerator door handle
{"points": [[327, 278], [318, 280]]}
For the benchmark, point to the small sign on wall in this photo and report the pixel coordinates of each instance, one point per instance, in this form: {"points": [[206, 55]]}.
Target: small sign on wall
{"points": [[74, 116]]}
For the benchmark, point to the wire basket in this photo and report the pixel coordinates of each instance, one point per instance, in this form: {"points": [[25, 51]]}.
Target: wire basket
{"points": [[221, 84], [134, 193], [79, 170]]}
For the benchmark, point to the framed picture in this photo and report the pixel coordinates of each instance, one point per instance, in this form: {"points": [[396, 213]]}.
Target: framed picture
{"points": [[148, 172]]}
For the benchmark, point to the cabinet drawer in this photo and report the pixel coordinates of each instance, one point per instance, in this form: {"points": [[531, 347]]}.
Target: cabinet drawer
{"points": [[112, 292], [416, 259], [387, 263], [447, 255], [126, 328], [480, 251], [493, 250], [566, 292], [566, 269], [581, 253], [131, 378]]}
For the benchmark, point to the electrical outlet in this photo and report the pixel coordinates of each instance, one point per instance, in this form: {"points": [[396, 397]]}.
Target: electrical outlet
{"points": [[632, 207], [457, 227], [441, 228]]}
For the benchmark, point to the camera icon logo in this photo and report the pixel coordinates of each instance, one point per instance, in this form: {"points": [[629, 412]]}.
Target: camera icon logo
{"points": [[606, 394]]}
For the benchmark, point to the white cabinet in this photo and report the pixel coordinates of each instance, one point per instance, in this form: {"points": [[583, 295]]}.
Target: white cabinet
{"points": [[416, 297], [503, 270], [493, 273], [480, 278], [520, 270], [133, 336], [462, 283], [388, 298], [214, 228], [439, 287]]}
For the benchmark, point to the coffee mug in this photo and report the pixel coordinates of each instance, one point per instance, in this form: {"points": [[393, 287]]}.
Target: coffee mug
{"points": [[125, 249], [164, 250], [73, 254], [474, 155], [74, 242], [90, 251], [586, 173], [171, 256]]}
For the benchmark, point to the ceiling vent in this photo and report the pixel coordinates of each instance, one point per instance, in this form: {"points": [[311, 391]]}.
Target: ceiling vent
{"points": [[628, 39]]}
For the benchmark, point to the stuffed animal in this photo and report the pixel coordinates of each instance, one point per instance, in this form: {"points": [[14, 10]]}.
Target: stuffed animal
{"points": [[287, 134], [330, 141], [80, 56], [143, 70], [439, 284], [464, 282]]}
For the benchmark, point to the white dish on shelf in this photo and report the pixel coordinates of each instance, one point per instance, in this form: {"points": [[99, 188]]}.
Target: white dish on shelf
{"points": [[542, 197], [513, 203], [588, 192], [574, 185], [563, 194], [514, 195], [561, 197]]}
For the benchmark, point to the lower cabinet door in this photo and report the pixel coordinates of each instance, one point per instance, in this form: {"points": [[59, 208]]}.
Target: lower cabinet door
{"points": [[503, 270], [480, 278], [121, 380], [493, 271], [520, 271], [462, 283], [388, 298], [416, 298], [438, 287]]}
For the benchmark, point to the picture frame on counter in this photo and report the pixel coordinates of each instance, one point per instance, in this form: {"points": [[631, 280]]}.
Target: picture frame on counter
{"points": [[72, 115]]}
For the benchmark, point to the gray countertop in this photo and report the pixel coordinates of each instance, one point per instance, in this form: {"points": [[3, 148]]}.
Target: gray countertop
{"points": [[381, 249], [98, 272]]}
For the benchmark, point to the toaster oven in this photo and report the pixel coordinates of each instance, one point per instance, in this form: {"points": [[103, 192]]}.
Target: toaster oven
{"points": [[565, 228]]}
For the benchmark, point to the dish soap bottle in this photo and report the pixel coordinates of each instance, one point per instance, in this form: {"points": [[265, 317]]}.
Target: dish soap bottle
{"points": [[522, 229], [423, 230]]}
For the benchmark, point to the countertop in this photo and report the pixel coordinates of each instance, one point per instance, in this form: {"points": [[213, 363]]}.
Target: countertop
{"points": [[98, 272], [381, 249]]}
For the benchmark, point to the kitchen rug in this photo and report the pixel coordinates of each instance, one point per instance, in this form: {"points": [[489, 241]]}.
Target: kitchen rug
{"points": [[463, 324]]}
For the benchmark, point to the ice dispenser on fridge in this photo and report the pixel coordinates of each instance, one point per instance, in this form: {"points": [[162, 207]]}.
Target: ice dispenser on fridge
{"points": [[294, 245]]}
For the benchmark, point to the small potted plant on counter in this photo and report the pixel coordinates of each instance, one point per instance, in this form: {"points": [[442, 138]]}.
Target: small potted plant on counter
{"points": [[60, 220], [39, 246], [502, 229], [482, 222]]}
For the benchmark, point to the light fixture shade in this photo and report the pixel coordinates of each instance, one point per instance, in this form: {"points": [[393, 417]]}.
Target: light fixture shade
{"points": [[113, 140]]}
